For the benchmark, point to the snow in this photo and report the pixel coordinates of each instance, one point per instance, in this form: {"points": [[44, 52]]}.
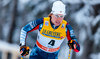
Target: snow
{"points": [[82, 35], [5, 2], [71, 1], [38, 7], [6, 30], [36, 10], [97, 19], [9, 47], [83, 16], [24, 1], [5, 47], [34, 2], [51, 1], [64, 50], [95, 56], [80, 52], [16, 35], [92, 2], [21, 4], [97, 36]]}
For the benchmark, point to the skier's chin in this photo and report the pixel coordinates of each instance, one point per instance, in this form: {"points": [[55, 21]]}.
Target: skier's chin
{"points": [[57, 24]]}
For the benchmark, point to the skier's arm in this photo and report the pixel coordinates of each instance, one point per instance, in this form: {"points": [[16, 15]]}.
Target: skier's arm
{"points": [[71, 36], [28, 28]]}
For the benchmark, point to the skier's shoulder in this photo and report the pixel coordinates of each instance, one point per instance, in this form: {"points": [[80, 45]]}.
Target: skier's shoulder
{"points": [[46, 18], [40, 18], [64, 21], [67, 24]]}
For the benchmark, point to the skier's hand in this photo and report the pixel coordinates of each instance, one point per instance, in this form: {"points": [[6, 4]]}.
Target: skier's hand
{"points": [[72, 44], [24, 50]]}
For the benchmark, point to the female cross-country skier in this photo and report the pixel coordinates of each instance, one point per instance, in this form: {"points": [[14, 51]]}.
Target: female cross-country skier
{"points": [[52, 31]]}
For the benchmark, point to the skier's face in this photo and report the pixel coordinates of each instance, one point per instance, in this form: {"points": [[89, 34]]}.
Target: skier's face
{"points": [[57, 19]]}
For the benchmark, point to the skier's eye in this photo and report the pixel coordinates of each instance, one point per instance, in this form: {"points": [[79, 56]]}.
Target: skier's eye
{"points": [[59, 16]]}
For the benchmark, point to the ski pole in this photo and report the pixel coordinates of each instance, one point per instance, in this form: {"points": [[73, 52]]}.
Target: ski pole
{"points": [[69, 54], [22, 57]]}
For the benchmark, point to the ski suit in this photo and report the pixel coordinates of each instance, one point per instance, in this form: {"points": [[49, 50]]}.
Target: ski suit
{"points": [[49, 38]]}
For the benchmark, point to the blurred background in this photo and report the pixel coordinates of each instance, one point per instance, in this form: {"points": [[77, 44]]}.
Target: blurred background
{"points": [[82, 15]]}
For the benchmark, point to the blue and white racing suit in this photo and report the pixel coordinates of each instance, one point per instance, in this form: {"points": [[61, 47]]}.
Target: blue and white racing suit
{"points": [[49, 38]]}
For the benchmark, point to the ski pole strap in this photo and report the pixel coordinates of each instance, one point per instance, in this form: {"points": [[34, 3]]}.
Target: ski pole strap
{"points": [[69, 54]]}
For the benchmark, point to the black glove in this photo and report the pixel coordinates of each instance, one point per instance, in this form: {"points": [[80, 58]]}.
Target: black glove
{"points": [[72, 44], [24, 50]]}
